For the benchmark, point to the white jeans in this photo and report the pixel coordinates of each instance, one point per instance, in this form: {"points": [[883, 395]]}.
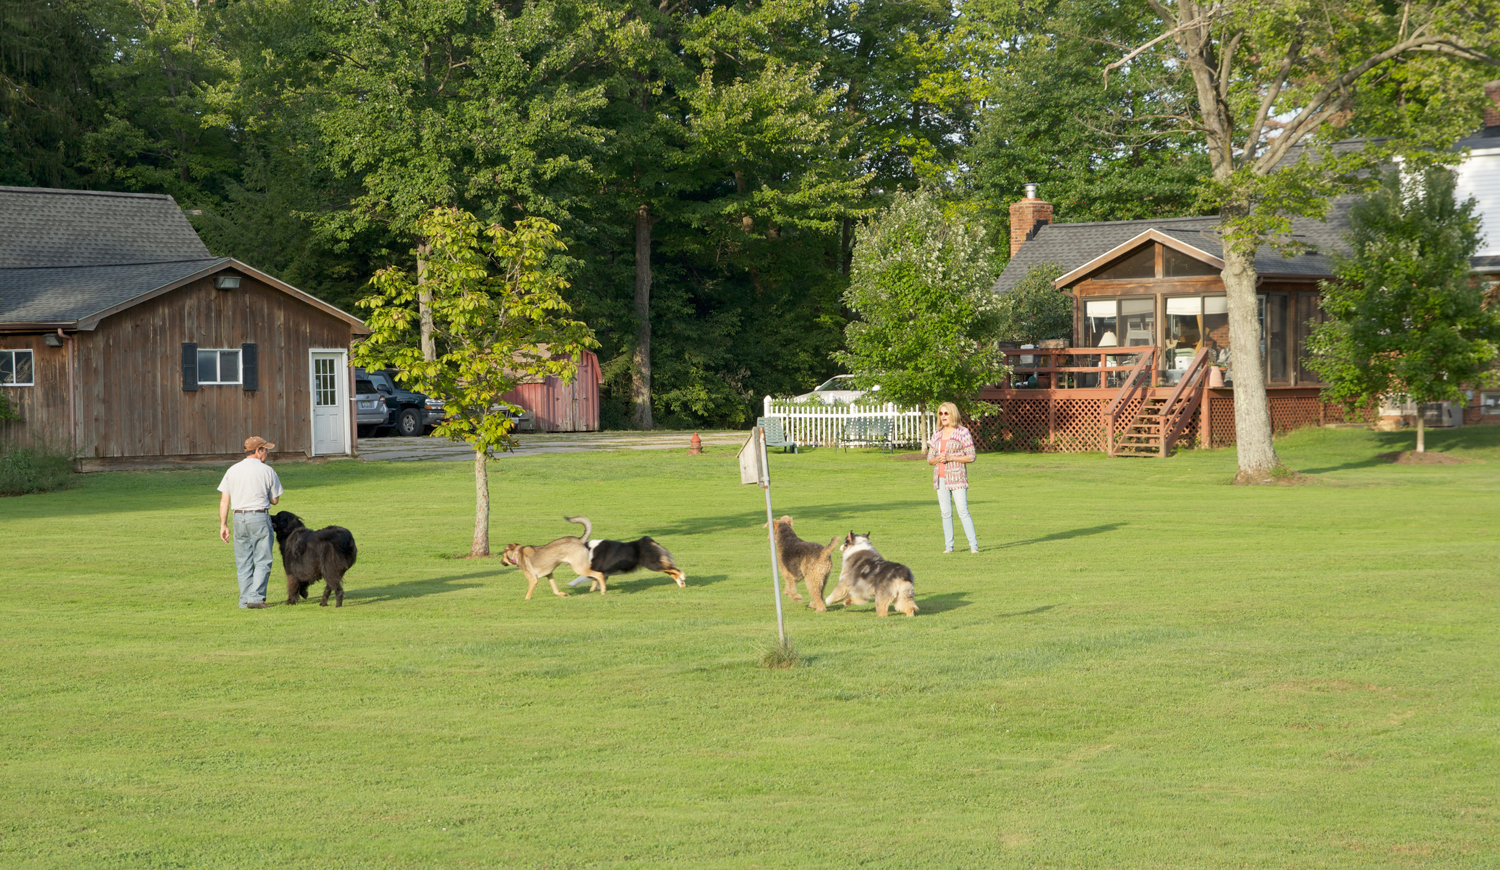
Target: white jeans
{"points": [[947, 498]]}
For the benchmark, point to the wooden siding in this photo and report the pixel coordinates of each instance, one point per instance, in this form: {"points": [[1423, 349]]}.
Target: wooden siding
{"points": [[44, 406], [130, 397], [561, 407]]}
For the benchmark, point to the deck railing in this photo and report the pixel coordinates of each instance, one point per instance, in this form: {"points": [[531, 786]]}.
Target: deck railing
{"points": [[1075, 367], [808, 423], [1184, 401]]}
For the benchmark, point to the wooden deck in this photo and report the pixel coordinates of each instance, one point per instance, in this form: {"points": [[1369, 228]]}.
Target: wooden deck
{"points": [[1058, 415]]}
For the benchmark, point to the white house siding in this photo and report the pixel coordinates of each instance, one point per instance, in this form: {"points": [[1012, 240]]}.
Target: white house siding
{"points": [[1479, 177]]}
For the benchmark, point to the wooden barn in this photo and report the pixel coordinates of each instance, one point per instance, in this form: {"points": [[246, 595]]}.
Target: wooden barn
{"points": [[554, 406], [125, 342]]}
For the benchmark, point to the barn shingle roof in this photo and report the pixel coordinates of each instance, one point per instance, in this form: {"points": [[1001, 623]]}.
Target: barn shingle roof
{"points": [[1072, 245], [68, 254]]}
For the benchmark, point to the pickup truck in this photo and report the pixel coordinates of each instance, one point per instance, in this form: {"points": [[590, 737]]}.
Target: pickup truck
{"points": [[408, 413]]}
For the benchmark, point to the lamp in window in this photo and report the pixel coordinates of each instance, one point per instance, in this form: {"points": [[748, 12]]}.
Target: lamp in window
{"points": [[226, 282]]}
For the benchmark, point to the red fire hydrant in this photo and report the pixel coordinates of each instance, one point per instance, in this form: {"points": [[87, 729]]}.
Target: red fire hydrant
{"points": [[695, 445]]}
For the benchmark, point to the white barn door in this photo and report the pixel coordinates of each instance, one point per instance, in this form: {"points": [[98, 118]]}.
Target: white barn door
{"points": [[330, 426]]}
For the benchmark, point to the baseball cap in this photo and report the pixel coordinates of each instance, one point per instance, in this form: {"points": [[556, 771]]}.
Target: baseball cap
{"points": [[255, 442]]}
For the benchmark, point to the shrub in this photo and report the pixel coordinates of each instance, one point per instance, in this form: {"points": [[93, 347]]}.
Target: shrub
{"points": [[34, 469]]}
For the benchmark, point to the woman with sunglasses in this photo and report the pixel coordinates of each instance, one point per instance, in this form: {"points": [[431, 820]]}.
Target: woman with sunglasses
{"points": [[949, 453]]}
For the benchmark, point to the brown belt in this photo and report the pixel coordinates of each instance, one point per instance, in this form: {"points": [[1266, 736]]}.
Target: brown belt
{"points": [[261, 511]]}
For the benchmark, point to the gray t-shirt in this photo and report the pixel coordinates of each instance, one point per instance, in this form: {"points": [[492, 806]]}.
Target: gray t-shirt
{"points": [[251, 485]]}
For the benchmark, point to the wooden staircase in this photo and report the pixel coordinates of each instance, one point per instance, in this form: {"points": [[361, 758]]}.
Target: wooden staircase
{"points": [[1143, 435], [1159, 421]]}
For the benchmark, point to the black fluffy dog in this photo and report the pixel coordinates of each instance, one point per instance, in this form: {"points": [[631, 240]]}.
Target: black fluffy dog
{"points": [[310, 556]]}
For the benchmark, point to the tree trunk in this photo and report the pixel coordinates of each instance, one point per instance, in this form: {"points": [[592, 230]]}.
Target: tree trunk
{"points": [[481, 545], [1252, 414], [424, 303], [1421, 432], [640, 372]]}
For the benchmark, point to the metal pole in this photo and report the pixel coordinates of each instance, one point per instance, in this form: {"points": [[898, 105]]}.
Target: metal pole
{"points": [[765, 483]]}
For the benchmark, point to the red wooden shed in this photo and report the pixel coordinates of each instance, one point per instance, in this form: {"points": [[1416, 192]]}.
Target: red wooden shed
{"points": [[564, 407]]}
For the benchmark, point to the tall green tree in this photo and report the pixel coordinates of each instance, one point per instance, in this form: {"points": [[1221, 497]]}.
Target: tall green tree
{"points": [[1034, 310], [1406, 315], [416, 104], [49, 56], [498, 317], [720, 141], [927, 325], [1050, 119], [1271, 76]]}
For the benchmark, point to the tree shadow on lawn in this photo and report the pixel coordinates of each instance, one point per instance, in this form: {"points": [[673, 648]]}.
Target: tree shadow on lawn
{"points": [[1063, 536], [415, 588], [757, 519], [1438, 441], [1032, 612]]}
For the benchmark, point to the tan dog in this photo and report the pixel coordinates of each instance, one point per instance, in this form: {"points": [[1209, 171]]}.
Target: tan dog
{"points": [[805, 561], [538, 562]]}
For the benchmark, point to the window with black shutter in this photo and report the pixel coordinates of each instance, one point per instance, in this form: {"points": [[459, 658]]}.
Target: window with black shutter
{"points": [[189, 367], [249, 367]]}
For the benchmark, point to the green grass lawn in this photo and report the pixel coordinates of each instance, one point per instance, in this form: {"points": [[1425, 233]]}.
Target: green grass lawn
{"points": [[1144, 667]]}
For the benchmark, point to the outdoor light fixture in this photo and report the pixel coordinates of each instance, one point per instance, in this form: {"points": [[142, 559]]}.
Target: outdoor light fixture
{"points": [[52, 339], [226, 282]]}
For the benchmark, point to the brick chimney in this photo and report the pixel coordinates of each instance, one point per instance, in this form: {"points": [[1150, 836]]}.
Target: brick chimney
{"points": [[1492, 111], [1029, 215]]}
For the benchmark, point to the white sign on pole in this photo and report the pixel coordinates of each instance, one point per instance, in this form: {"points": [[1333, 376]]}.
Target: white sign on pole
{"points": [[752, 460], [754, 468]]}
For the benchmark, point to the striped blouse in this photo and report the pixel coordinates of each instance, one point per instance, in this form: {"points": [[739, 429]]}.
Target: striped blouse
{"points": [[951, 475]]}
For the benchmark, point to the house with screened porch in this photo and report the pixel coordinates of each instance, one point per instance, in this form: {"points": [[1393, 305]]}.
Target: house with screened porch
{"points": [[1151, 363]]}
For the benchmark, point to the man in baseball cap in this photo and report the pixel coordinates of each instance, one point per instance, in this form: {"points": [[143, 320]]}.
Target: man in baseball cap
{"points": [[249, 488]]}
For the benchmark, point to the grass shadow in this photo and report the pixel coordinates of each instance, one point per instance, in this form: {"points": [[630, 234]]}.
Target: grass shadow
{"points": [[757, 518], [1063, 536], [629, 584], [415, 588], [1032, 612], [942, 603]]}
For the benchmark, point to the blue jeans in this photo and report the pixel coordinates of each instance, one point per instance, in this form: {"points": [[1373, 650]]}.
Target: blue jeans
{"points": [[947, 498], [252, 555]]}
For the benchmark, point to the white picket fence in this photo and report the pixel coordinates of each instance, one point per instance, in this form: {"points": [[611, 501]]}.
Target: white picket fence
{"points": [[824, 424]]}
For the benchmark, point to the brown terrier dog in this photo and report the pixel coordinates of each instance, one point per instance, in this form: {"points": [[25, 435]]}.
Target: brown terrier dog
{"points": [[802, 560], [538, 562]]}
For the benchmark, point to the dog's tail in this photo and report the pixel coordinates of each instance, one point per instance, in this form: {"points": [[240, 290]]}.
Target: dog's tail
{"points": [[588, 527], [829, 549]]}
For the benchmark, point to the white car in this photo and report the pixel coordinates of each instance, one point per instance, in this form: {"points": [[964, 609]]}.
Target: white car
{"points": [[839, 388]]}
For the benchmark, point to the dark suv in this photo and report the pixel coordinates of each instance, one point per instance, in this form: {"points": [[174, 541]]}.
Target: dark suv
{"points": [[408, 413]]}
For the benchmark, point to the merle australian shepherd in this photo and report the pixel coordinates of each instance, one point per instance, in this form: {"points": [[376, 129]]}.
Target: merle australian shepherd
{"points": [[865, 576], [622, 557], [309, 556]]}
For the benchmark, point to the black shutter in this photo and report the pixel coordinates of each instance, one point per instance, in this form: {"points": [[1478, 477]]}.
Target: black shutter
{"points": [[249, 367], [189, 367]]}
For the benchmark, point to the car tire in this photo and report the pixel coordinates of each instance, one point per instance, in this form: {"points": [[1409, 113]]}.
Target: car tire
{"points": [[409, 424]]}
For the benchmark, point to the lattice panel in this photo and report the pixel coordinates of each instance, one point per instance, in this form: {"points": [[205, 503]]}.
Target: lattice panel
{"points": [[1294, 412], [1221, 420], [1052, 423]]}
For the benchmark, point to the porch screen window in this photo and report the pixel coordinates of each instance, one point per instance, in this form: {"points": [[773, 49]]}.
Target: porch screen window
{"points": [[218, 366], [1308, 315], [1099, 324], [1138, 318], [16, 368], [1274, 314], [1175, 264], [1195, 322]]}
